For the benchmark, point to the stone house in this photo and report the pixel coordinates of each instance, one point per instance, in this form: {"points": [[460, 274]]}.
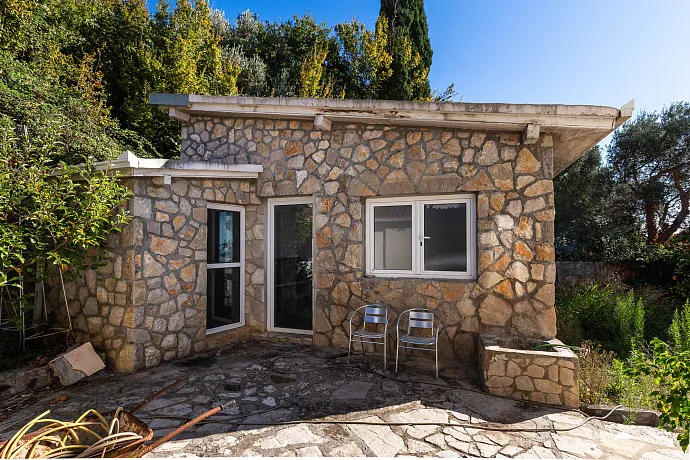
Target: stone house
{"points": [[283, 214]]}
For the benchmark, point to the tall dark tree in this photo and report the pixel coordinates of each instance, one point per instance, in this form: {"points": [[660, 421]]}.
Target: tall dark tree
{"points": [[411, 50], [651, 156]]}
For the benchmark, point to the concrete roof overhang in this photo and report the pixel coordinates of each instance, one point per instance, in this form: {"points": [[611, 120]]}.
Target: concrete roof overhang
{"points": [[129, 165], [575, 128]]}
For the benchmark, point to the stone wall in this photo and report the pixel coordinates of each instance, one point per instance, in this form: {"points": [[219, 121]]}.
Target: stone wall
{"points": [[25, 379], [514, 293], [546, 376], [147, 304], [572, 273]]}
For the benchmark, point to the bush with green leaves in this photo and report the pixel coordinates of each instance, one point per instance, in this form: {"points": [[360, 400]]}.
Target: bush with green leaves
{"points": [[614, 319], [668, 265], [671, 372], [679, 331], [48, 216], [604, 379]]}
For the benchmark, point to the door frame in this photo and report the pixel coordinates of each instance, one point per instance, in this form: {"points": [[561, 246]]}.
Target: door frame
{"points": [[242, 266], [272, 203]]}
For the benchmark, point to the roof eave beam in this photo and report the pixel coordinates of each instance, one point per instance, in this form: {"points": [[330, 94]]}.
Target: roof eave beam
{"points": [[322, 123], [178, 115], [531, 135]]}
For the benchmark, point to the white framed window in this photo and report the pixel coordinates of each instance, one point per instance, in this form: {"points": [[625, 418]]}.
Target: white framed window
{"points": [[225, 267], [423, 236]]}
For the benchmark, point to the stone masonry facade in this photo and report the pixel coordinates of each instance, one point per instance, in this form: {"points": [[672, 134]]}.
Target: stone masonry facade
{"points": [[147, 304]]}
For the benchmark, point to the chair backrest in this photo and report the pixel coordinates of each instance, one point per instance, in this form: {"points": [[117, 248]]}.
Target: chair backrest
{"points": [[375, 314], [420, 318]]}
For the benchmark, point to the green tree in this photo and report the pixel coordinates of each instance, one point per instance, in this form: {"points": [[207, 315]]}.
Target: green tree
{"points": [[285, 46], [312, 74], [591, 222], [410, 48], [651, 156], [177, 50], [365, 62], [130, 74]]}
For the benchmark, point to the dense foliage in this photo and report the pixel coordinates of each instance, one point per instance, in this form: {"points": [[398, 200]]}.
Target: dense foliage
{"points": [[623, 359], [53, 113], [114, 53], [651, 156], [592, 220], [670, 369], [635, 205], [667, 265], [48, 216], [614, 319]]}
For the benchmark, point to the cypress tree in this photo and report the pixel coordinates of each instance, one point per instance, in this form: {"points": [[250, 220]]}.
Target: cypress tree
{"points": [[411, 50]]}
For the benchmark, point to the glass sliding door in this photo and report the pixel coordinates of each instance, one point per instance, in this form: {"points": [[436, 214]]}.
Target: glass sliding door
{"points": [[225, 268], [290, 265]]}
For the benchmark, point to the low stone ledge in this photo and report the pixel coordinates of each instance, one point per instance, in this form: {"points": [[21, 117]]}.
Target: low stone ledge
{"points": [[509, 367], [25, 379], [642, 417]]}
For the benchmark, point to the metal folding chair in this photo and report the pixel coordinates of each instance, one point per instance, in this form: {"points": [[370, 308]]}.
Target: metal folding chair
{"points": [[373, 314], [418, 319]]}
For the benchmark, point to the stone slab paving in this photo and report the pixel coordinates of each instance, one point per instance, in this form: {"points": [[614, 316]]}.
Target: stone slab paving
{"points": [[273, 383]]}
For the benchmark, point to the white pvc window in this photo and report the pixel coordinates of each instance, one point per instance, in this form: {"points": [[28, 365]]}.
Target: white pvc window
{"points": [[425, 237], [225, 267]]}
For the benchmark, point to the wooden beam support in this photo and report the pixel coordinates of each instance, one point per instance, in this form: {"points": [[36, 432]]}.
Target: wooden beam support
{"points": [[178, 115], [322, 123], [531, 135]]}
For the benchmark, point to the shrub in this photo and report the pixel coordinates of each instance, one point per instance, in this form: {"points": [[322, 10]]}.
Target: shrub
{"points": [[668, 266], [671, 372], [48, 219], [630, 314], [606, 380], [595, 363], [615, 320], [679, 331], [660, 309]]}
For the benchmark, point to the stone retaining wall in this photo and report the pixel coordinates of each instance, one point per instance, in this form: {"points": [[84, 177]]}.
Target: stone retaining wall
{"points": [[572, 273], [19, 381], [542, 376]]}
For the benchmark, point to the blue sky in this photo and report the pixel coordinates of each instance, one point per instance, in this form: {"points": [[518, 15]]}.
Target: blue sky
{"points": [[601, 52]]}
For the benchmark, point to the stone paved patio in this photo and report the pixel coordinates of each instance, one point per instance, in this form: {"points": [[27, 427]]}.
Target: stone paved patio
{"points": [[314, 385]]}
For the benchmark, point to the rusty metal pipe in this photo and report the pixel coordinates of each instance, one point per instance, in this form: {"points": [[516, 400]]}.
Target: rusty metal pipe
{"points": [[158, 394], [146, 449]]}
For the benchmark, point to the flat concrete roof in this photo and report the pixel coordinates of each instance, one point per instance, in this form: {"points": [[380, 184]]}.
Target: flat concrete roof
{"points": [[575, 128]]}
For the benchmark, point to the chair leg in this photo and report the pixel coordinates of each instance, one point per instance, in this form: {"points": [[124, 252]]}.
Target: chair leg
{"points": [[349, 347], [384, 353], [436, 356], [397, 353]]}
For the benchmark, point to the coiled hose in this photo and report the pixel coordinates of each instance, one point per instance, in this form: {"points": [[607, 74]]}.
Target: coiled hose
{"points": [[88, 436]]}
